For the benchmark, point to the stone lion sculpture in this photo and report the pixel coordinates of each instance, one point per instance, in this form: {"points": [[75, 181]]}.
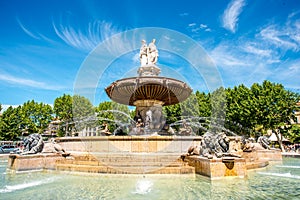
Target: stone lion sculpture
{"points": [[264, 142], [193, 150], [53, 147], [33, 144], [261, 144], [214, 145]]}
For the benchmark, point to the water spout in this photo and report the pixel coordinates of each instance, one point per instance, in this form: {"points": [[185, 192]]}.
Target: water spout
{"points": [[143, 186]]}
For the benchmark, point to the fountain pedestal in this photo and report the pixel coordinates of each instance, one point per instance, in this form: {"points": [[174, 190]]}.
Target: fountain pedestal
{"points": [[218, 168], [34, 162], [151, 113], [149, 70]]}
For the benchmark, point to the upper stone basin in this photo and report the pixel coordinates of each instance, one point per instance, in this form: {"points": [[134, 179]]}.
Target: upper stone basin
{"points": [[167, 90]]}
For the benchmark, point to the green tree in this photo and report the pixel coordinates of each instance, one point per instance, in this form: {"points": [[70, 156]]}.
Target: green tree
{"points": [[63, 111], [239, 109], [82, 109], [36, 116], [294, 133], [172, 113], [218, 108], [63, 107], [113, 111], [273, 106], [11, 123], [190, 106], [204, 105]]}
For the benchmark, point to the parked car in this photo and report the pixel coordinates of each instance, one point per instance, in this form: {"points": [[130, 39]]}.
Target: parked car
{"points": [[9, 149]]}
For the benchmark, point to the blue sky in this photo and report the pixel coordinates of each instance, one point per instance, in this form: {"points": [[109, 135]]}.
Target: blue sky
{"points": [[43, 44]]}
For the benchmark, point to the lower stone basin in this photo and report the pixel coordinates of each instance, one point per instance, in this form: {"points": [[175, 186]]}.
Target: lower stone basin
{"points": [[140, 155]]}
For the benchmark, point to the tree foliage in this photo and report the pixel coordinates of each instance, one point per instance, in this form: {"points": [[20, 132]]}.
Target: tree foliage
{"points": [[63, 111], [294, 134], [218, 106], [113, 111], [11, 123], [172, 113], [31, 117], [82, 107], [73, 112], [63, 107], [204, 105], [274, 106], [36, 116], [266, 106], [239, 111]]}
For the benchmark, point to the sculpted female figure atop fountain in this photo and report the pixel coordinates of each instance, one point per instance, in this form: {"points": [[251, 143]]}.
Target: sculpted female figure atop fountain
{"points": [[152, 53], [143, 53], [148, 54]]}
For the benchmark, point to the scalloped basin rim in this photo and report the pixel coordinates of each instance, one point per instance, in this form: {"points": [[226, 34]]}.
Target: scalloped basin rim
{"points": [[168, 90]]}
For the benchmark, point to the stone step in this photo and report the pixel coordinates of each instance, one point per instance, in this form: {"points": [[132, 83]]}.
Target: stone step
{"points": [[126, 157], [159, 160], [126, 163], [122, 163], [127, 169]]}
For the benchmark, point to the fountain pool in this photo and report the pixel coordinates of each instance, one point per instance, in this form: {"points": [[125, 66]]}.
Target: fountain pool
{"points": [[277, 181]]}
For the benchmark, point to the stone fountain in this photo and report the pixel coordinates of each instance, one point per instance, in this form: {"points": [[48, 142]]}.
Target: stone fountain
{"points": [[149, 91], [145, 150]]}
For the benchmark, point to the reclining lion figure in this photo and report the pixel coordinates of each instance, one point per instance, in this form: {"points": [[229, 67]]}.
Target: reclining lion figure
{"points": [[212, 145], [33, 144], [53, 147]]}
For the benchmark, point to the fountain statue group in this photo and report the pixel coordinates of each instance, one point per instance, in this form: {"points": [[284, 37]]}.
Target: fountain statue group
{"points": [[148, 54]]}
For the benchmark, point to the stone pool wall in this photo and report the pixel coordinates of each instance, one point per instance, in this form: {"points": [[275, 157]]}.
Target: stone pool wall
{"points": [[43, 161], [131, 144]]}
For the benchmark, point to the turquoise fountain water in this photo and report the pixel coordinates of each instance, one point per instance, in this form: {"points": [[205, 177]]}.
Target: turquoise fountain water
{"points": [[277, 181]]}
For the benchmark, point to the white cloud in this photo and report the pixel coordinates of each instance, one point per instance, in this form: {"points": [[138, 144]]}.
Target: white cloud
{"points": [[183, 14], [95, 33], [283, 36], [251, 48], [27, 82], [242, 63], [196, 29], [280, 38], [203, 26], [27, 31], [225, 56], [288, 73], [36, 36], [231, 14]]}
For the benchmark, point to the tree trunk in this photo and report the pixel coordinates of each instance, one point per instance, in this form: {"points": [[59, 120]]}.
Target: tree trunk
{"points": [[67, 129], [279, 140]]}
